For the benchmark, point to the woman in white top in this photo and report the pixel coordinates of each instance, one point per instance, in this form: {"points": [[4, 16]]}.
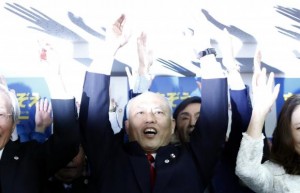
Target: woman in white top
{"points": [[282, 172]]}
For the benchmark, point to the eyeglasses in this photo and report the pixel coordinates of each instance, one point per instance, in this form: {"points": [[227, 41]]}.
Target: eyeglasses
{"points": [[5, 116]]}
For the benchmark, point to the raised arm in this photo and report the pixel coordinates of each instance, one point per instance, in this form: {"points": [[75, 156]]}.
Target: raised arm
{"points": [[264, 95], [224, 179], [240, 101], [248, 166], [209, 134], [63, 144], [139, 77], [96, 129]]}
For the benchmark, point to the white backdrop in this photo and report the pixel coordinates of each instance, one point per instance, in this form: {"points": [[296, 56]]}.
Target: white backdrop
{"points": [[75, 29]]}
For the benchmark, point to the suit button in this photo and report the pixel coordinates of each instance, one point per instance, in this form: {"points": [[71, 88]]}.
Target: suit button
{"points": [[167, 161], [173, 155]]}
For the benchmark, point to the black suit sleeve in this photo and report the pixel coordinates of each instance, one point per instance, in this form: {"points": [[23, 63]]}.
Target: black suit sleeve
{"points": [[97, 134], [63, 144], [209, 134]]}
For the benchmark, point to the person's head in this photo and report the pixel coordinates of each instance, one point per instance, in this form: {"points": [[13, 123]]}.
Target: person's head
{"points": [[9, 114], [186, 114], [286, 136], [149, 121], [74, 169]]}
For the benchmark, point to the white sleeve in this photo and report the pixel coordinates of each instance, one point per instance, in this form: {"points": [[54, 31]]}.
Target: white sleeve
{"points": [[142, 83], [249, 168]]}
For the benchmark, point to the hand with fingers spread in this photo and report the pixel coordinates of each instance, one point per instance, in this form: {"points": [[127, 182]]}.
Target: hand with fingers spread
{"points": [[43, 117], [281, 172], [264, 95], [264, 92]]}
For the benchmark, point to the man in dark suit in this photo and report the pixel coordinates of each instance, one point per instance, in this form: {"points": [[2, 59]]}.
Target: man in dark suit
{"points": [[73, 178], [123, 167], [225, 179], [187, 111], [25, 166]]}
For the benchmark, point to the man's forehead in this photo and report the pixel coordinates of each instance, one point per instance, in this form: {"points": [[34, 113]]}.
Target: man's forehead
{"points": [[3, 99], [149, 105], [150, 98], [150, 95]]}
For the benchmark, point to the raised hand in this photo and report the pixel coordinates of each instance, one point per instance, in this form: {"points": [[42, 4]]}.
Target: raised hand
{"points": [[145, 55], [257, 61], [264, 95], [140, 78], [235, 80], [118, 35], [227, 50], [264, 92], [43, 117], [53, 73], [49, 58]]}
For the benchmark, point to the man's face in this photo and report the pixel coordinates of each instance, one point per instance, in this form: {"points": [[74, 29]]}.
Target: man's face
{"points": [[150, 122], [295, 124], [6, 122], [186, 120]]}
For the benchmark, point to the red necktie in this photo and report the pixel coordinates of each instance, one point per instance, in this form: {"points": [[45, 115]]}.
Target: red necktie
{"points": [[152, 169]]}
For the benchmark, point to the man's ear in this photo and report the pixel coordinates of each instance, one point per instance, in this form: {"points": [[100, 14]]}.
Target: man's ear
{"points": [[173, 124]]}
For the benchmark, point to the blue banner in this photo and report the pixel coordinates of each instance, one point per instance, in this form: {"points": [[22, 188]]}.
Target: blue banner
{"points": [[176, 89], [288, 86], [28, 92]]}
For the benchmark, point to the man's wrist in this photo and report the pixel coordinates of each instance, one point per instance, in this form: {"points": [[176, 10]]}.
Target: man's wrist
{"points": [[207, 51]]}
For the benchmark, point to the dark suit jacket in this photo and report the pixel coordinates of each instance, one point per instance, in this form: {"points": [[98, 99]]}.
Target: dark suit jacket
{"points": [[225, 180], [118, 167], [24, 167], [78, 185]]}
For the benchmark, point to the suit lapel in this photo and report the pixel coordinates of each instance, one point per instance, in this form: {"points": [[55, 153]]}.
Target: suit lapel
{"points": [[164, 164], [9, 165], [141, 170], [140, 165]]}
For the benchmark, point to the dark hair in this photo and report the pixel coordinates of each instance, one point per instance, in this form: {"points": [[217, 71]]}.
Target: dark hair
{"points": [[185, 103], [283, 149]]}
